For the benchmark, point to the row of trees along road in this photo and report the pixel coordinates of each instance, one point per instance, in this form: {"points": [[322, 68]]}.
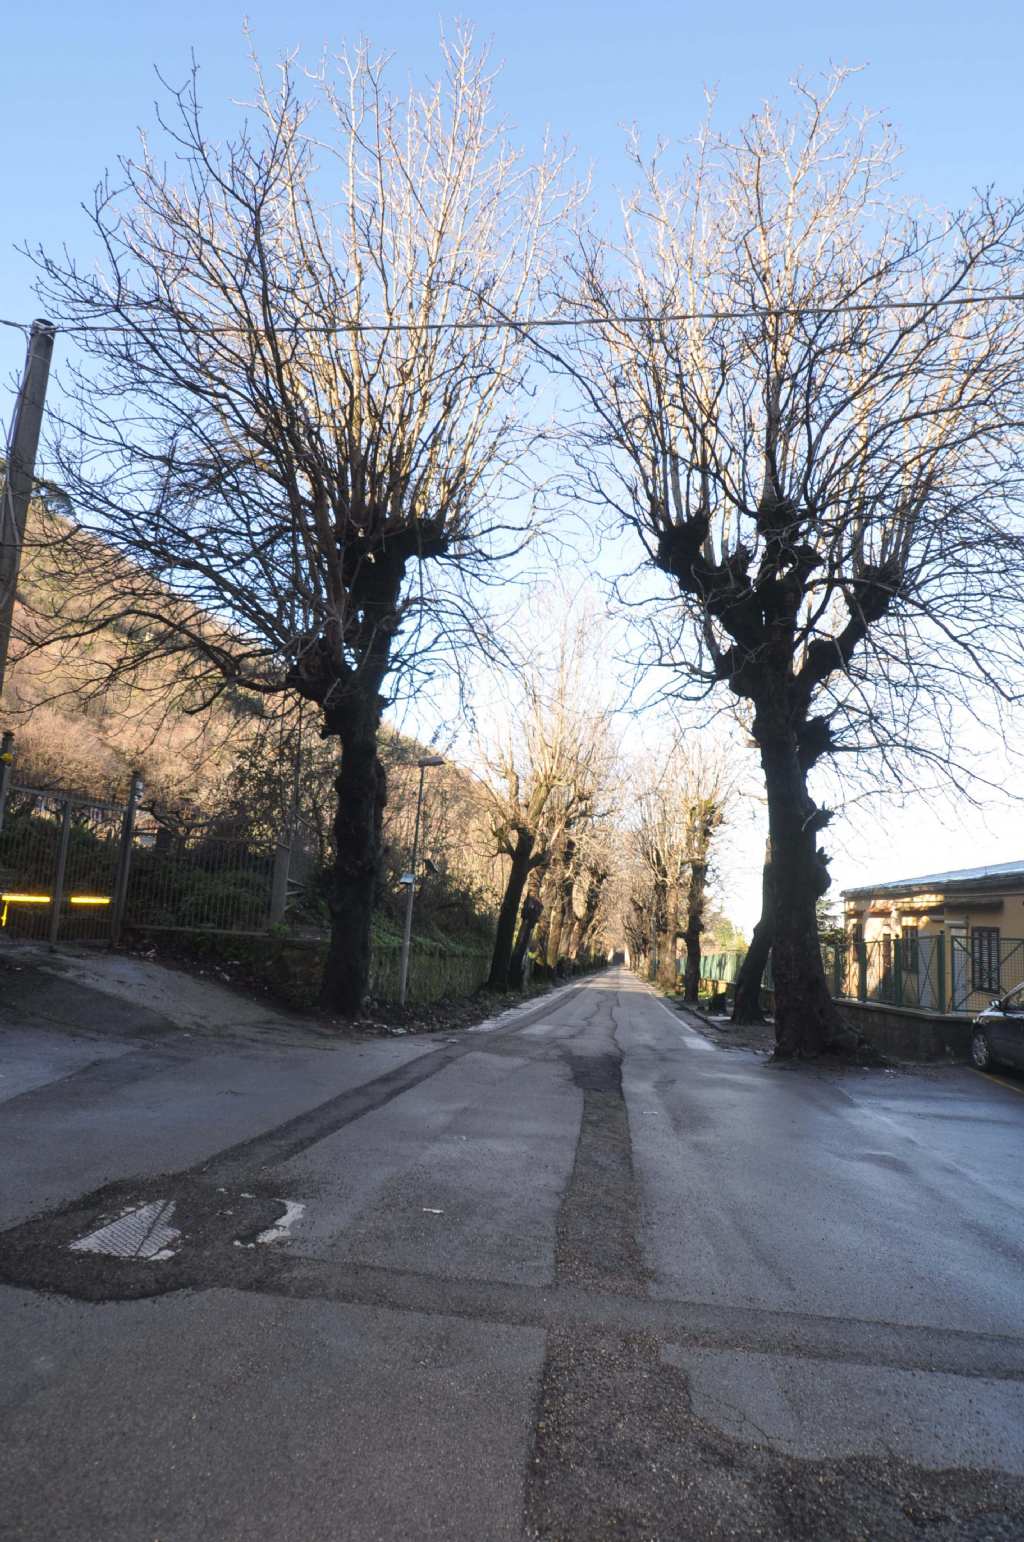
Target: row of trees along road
{"points": [[682, 805], [551, 787], [297, 414]]}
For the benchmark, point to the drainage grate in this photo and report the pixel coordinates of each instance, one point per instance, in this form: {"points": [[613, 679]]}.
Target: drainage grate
{"points": [[142, 1232]]}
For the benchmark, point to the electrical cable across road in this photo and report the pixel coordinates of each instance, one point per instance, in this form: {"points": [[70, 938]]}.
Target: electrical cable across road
{"points": [[540, 323]]}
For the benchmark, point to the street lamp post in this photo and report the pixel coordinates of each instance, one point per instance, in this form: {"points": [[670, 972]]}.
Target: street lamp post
{"points": [[410, 878]]}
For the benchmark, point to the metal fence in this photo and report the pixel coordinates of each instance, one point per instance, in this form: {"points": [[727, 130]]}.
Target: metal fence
{"points": [[59, 862], [942, 972], [938, 972], [199, 880], [76, 870], [436, 971], [718, 968]]}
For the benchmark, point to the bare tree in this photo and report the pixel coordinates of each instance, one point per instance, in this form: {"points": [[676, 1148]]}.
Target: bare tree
{"points": [[552, 775], [547, 781], [805, 396], [289, 439], [573, 892], [589, 902], [680, 812]]}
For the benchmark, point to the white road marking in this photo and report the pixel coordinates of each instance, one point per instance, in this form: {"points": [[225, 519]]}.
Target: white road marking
{"points": [[510, 1014], [691, 1038]]}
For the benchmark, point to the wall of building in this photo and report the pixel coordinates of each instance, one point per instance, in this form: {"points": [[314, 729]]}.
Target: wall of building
{"points": [[881, 915], [933, 950]]}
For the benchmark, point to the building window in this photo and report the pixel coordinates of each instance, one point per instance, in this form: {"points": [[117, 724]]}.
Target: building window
{"points": [[985, 959], [908, 936]]}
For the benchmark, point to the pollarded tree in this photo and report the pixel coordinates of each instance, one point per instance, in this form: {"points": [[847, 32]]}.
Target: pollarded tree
{"points": [[287, 444], [547, 780], [552, 772], [577, 886], [680, 812], [806, 397], [590, 915]]}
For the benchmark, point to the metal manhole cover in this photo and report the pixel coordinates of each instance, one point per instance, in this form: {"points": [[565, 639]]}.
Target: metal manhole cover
{"points": [[141, 1232]]}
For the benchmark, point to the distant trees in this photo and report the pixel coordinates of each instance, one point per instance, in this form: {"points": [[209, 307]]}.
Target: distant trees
{"points": [[286, 447], [547, 781], [806, 396], [681, 809]]}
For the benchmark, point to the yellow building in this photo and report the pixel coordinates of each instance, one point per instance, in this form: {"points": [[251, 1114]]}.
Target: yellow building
{"points": [[944, 942]]}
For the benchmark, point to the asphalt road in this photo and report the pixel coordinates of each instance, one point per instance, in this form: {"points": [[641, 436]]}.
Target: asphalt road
{"points": [[574, 1275]]}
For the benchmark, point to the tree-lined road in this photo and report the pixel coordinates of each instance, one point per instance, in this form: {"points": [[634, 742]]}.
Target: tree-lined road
{"points": [[576, 1274]]}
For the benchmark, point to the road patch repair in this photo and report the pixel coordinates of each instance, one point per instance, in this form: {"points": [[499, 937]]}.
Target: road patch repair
{"points": [[145, 1238], [85, 1250], [281, 1229]]}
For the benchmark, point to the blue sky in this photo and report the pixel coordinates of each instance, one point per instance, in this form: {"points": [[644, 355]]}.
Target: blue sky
{"points": [[77, 80]]}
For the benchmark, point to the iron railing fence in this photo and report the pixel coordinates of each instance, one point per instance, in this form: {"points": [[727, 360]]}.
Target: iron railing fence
{"points": [[893, 972], [58, 865], [199, 881], [75, 869], [944, 972], [983, 967]]}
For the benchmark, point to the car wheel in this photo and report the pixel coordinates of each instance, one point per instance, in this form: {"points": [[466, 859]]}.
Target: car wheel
{"points": [[981, 1054]]}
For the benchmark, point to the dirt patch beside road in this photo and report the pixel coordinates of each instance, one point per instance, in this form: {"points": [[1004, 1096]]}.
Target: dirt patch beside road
{"points": [[719, 1030]]}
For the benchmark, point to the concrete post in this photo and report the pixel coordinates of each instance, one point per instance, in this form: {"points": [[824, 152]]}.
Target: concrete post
{"points": [[403, 964]]}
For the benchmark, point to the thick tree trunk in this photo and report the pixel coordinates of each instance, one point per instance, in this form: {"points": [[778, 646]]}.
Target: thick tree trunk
{"points": [[531, 914], [694, 925], [552, 930], [667, 974], [747, 1002], [362, 792], [806, 1020], [582, 933], [561, 905], [504, 937], [542, 891]]}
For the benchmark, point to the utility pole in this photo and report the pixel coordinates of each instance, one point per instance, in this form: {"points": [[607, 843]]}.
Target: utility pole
{"points": [[19, 477], [410, 879]]}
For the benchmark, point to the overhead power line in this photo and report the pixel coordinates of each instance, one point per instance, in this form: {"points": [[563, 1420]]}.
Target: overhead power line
{"points": [[540, 323]]}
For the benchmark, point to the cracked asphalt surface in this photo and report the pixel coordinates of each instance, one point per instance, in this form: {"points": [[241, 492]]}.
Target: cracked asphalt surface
{"points": [[574, 1275]]}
